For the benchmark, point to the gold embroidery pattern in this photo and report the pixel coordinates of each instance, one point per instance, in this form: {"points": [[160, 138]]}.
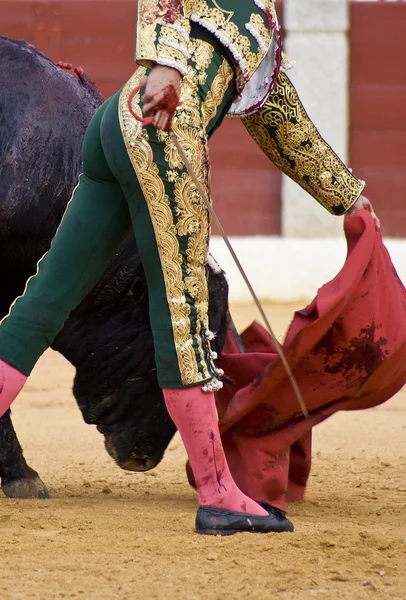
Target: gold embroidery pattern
{"points": [[288, 137], [202, 55], [145, 51], [140, 153], [216, 94], [193, 223], [226, 12], [215, 19], [246, 52], [153, 18], [192, 217], [185, 220], [247, 49], [262, 31], [172, 57], [175, 37]]}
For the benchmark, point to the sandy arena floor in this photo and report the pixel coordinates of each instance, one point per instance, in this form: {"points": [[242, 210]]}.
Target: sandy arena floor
{"points": [[107, 534]]}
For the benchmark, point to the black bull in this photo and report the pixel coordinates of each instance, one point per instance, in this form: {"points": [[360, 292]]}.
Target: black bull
{"points": [[43, 116]]}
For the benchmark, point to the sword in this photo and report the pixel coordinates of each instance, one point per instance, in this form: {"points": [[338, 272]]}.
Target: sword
{"points": [[203, 194]]}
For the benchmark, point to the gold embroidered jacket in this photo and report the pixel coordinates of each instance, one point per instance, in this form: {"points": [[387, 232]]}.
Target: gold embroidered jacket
{"points": [[286, 134], [247, 28], [273, 113]]}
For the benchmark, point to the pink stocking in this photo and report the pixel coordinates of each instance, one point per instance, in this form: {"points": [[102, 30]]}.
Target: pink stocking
{"points": [[11, 382], [194, 413]]}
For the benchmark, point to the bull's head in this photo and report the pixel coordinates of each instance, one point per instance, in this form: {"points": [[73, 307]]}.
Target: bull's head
{"points": [[109, 341]]}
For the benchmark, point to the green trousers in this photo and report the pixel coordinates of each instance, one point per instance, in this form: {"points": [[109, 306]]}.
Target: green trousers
{"points": [[133, 178]]}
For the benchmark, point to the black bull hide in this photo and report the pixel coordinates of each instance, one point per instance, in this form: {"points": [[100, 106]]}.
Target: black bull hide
{"points": [[43, 116]]}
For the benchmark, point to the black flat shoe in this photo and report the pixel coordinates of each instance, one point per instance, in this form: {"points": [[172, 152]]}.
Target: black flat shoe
{"points": [[219, 521]]}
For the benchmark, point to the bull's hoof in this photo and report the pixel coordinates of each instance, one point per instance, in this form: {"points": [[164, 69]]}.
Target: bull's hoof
{"points": [[26, 488]]}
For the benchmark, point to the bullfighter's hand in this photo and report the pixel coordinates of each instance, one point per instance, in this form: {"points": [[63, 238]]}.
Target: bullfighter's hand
{"points": [[364, 204], [161, 95]]}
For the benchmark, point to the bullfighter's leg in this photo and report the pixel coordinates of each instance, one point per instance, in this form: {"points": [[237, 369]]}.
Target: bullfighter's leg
{"points": [[94, 224], [171, 226], [170, 221]]}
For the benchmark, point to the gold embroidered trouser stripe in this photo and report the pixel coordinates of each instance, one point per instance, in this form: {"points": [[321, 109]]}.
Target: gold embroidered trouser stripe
{"points": [[179, 218]]}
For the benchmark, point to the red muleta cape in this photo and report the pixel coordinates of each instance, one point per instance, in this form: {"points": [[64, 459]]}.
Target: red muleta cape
{"points": [[347, 350]]}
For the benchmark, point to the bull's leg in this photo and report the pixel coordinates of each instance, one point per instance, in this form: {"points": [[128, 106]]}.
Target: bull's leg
{"points": [[18, 480]]}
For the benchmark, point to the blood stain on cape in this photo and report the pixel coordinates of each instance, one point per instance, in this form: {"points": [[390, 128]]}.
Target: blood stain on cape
{"points": [[364, 353]]}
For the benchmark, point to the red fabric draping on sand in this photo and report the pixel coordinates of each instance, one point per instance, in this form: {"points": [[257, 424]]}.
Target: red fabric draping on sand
{"points": [[347, 350]]}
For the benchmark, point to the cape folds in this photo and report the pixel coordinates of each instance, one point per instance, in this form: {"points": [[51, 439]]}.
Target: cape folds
{"points": [[348, 352]]}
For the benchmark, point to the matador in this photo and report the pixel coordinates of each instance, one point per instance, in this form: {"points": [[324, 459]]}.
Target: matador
{"points": [[199, 60]]}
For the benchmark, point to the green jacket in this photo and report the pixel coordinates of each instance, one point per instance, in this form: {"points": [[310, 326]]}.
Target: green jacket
{"points": [[247, 28], [272, 111]]}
